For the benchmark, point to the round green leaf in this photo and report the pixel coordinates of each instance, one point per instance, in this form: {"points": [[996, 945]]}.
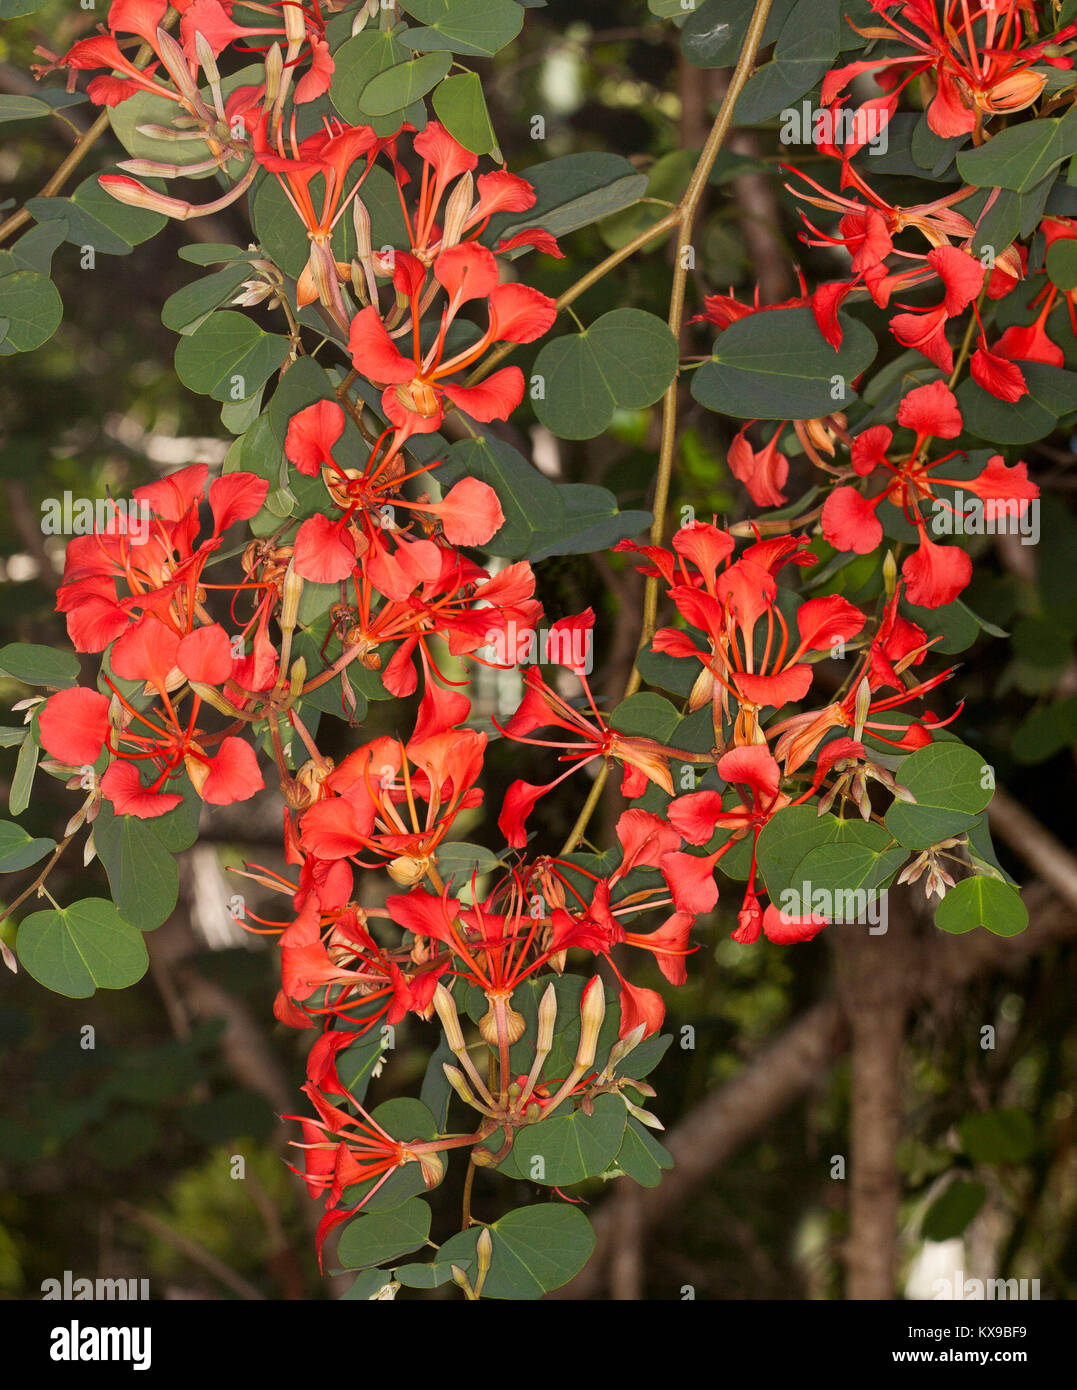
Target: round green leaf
{"points": [[79, 949], [982, 902], [626, 358], [951, 783]]}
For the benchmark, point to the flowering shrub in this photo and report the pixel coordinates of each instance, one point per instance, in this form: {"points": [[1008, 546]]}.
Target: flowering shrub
{"points": [[374, 536]]}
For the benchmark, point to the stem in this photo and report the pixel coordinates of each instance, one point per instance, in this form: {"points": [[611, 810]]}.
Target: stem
{"points": [[74, 159], [682, 218], [40, 880]]}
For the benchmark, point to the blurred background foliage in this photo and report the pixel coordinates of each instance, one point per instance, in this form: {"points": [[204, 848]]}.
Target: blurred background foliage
{"points": [[120, 1158]]}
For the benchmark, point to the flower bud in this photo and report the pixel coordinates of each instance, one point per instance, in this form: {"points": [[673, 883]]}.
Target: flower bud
{"points": [[547, 1017], [592, 1013], [445, 1006]]}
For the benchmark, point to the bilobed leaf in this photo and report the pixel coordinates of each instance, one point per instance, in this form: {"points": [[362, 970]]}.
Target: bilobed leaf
{"points": [[845, 867], [646, 715], [458, 860], [1051, 392], [778, 366], [45, 103], [373, 1238], [18, 850], [79, 949], [461, 108], [229, 357], [982, 902], [37, 665], [474, 28], [141, 872], [626, 358]]}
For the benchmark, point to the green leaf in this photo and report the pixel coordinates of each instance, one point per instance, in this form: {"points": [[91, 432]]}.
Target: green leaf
{"points": [[570, 192], [646, 715], [37, 665], [567, 1149], [18, 850], [948, 780], [593, 522], [1051, 392], [48, 101], [848, 868], [474, 28], [79, 949], [982, 902], [94, 218], [626, 358], [1062, 263], [533, 507], [806, 47], [949, 1214], [141, 872], [229, 357], [404, 1118], [399, 86], [31, 307], [372, 1239], [1021, 156], [712, 35], [185, 310], [358, 61], [458, 860], [535, 1249], [641, 1156], [790, 835], [778, 366], [461, 108]]}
